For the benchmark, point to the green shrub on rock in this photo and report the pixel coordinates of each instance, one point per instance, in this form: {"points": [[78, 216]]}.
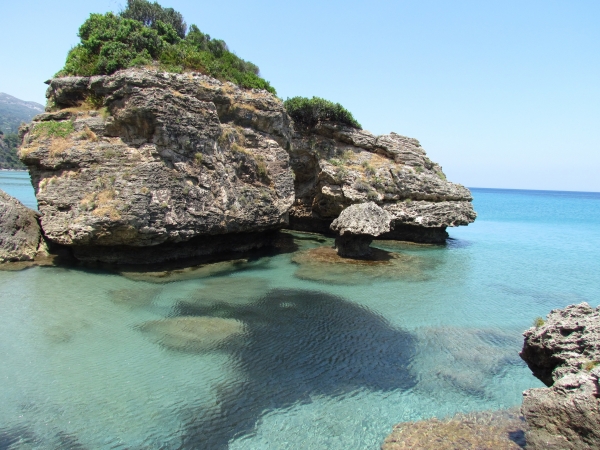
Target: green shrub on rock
{"points": [[311, 111], [147, 34]]}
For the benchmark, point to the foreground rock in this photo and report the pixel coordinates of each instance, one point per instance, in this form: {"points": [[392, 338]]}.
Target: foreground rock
{"points": [[166, 159], [564, 353], [20, 234], [498, 430], [337, 166], [357, 225]]}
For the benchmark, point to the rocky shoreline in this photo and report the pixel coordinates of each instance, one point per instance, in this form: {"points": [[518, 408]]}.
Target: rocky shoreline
{"points": [[564, 353]]}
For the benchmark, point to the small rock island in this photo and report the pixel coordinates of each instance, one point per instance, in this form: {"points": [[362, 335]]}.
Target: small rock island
{"points": [[144, 166]]}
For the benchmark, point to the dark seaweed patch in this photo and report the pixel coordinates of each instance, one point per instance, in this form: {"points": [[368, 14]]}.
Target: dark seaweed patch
{"points": [[299, 344]]}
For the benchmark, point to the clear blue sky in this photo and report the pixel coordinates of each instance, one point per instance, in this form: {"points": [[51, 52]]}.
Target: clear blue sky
{"points": [[500, 93]]}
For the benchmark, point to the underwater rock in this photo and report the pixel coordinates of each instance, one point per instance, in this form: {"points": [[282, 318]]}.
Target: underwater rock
{"points": [[464, 360], [184, 273], [192, 334], [497, 430], [357, 225], [564, 352], [323, 264], [134, 297], [230, 290]]}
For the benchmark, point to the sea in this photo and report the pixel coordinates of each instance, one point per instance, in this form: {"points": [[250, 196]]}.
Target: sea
{"points": [[286, 350]]}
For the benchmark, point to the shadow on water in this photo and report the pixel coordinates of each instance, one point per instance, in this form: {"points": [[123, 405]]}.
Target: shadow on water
{"points": [[298, 344], [18, 437]]}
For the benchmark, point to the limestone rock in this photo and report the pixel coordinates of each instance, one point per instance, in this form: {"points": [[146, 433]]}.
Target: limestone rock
{"points": [[143, 166], [564, 353], [168, 158], [357, 225], [20, 235], [337, 166], [364, 218]]}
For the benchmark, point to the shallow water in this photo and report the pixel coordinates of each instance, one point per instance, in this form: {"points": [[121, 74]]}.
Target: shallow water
{"points": [[98, 360]]}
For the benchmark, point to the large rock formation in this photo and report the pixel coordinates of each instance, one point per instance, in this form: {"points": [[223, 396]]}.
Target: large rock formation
{"points": [[20, 235], [337, 166], [143, 166], [357, 225], [167, 159], [564, 353]]}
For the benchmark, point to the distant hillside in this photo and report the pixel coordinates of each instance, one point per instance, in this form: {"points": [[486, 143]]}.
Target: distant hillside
{"points": [[14, 111], [8, 152]]}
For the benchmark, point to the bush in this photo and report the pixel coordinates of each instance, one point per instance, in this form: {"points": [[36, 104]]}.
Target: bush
{"points": [[312, 111], [110, 43], [146, 33]]}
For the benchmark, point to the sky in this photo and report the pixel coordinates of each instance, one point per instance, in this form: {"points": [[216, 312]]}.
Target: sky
{"points": [[502, 94]]}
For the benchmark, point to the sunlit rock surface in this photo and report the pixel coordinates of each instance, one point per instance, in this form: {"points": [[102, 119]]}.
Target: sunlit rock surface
{"points": [[356, 226], [20, 234], [564, 352], [144, 166], [337, 166], [166, 158]]}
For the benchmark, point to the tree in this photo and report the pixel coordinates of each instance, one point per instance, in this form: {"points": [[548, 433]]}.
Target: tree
{"points": [[150, 14]]}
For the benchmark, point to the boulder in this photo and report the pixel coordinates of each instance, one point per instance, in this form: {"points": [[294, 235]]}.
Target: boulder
{"points": [[357, 225], [337, 166], [564, 353], [20, 234], [160, 162]]}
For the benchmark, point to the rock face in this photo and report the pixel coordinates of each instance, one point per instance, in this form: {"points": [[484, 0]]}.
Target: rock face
{"points": [[337, 166], [564, 353], [20, 235], [167, 159], [143, 166], [357, 225]]}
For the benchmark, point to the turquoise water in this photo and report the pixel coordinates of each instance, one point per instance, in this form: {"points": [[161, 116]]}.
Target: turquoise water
{"points": [[296, 355]]}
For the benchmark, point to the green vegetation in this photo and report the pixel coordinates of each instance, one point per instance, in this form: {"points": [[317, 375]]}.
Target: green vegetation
{"points": [[147, 34], [538, 322], [314, 110], [9, 144], [53, 129], [151, 14]]}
